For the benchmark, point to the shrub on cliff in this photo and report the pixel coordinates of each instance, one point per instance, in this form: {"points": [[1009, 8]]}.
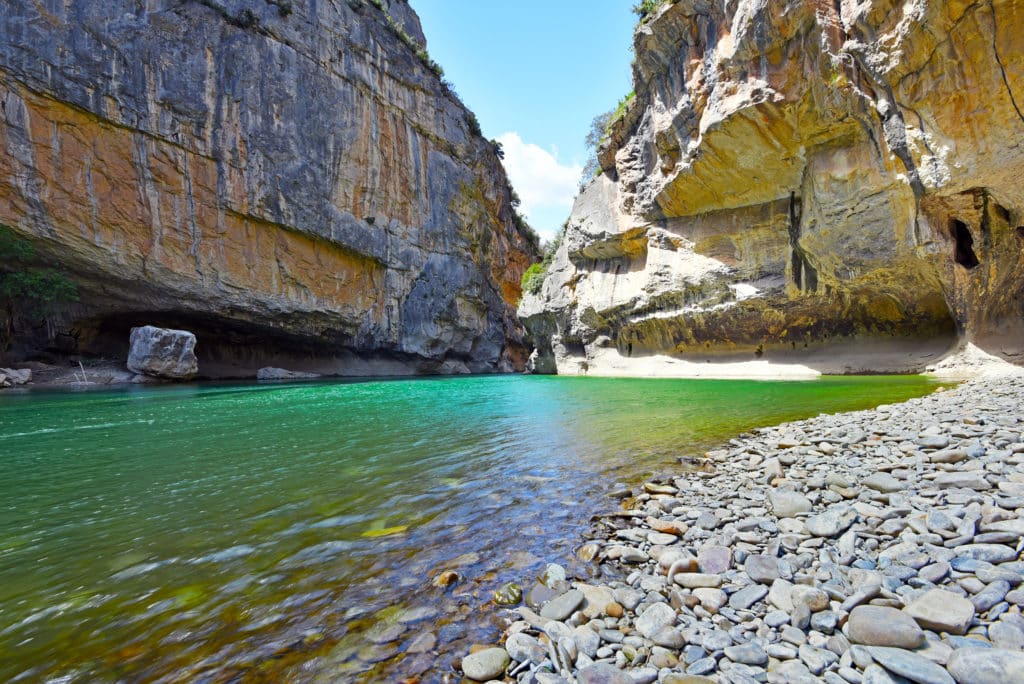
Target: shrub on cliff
{"points": [[534, 276], [646, 8], [26, 290]]}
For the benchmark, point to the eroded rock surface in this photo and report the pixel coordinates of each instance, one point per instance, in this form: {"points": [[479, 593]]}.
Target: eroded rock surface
{"points": [[834, 184], [292, 181], [163, 353]]}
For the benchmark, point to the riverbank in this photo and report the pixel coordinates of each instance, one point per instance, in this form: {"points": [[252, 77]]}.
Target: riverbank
{"points": [[859, 547]]}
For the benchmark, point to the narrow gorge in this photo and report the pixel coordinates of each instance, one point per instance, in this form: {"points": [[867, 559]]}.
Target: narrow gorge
{"points": [[292, 181], [833, 186]]}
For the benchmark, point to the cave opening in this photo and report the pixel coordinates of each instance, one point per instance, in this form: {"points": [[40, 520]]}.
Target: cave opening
{"points": [[964, 252], [1020, 232]]}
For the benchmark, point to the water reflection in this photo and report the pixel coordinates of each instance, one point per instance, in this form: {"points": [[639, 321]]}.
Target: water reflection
{"points": [[287, 531]]}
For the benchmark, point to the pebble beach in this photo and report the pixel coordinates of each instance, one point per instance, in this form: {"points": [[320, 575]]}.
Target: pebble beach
{"points": [[868, 547]]}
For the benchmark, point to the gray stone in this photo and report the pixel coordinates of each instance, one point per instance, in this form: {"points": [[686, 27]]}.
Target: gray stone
{"points": [[933, 442], [15, 377], [669, 637], [485, 665], [817, 659], [654, 619], [762, 569], [876, 674], [883, 482], [561, 607], [942, 611], [163, 353], [910, 665], [750, 653], [603, 673], [525, 648], [787, 504], [824, 621], [814, 598], [986, 666], [990, 553], [714, 560], [962, 480], [883, 626], [716, 641], [1007, 636], [702, 666], [587, 640], [695, 580], [832, 522], [747, 596], [991, 595]]}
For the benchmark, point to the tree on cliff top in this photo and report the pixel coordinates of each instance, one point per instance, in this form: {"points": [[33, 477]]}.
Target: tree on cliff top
{"points": [[25, 290], [597, 133]]}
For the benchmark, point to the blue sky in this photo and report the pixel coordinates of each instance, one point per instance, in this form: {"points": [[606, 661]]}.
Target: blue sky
{"points": [[536, 73]]}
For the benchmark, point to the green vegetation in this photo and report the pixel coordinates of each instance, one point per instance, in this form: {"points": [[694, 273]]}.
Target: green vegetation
{"points": [[534, 276], [26, 290], [645, 8], [600, 131]]}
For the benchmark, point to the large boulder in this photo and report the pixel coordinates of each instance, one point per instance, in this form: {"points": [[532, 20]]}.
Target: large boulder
{"points": [[163, 353], [10, 377]]}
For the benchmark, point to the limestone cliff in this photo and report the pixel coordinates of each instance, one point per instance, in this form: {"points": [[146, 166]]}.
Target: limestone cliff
{"points": [[290, 179], [831, 183]]}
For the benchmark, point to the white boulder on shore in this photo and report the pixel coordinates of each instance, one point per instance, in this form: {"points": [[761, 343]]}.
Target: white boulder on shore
{"points": [[10, 377], [163, 353]]}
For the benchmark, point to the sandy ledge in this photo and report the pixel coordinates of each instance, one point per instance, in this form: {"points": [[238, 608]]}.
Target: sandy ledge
{"points": [[873, 546]]}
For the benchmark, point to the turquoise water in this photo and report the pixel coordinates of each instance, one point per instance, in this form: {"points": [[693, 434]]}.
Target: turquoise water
{"points": [[288, 531]]}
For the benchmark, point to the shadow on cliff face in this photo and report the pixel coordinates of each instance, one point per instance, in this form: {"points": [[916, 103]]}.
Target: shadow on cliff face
{"points": [[226, 349]]}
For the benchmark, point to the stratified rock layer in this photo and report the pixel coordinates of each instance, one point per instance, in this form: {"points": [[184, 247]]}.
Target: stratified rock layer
{"points": [[290, 180], [836, 184]]}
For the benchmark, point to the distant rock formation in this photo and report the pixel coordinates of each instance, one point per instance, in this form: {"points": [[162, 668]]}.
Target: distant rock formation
{"points": [[830, 183], [292, 181]]}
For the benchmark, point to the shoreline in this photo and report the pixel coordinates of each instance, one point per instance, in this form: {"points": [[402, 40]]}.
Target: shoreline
{"points": [[964, 363], [854, 547]]}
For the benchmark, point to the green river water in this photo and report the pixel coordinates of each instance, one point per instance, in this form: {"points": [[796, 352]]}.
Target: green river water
{"points": [[289, 532]]}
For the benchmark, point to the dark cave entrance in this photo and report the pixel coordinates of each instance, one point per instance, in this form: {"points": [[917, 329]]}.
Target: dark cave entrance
{"points": [[964, 253]]}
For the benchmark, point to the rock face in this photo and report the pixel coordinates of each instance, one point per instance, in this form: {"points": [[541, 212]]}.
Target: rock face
{"points": [[834, 184], [162, 353], [293, 181]]}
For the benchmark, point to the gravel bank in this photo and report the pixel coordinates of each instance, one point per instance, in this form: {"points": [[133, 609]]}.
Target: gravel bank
{"points": [[876, 546]]}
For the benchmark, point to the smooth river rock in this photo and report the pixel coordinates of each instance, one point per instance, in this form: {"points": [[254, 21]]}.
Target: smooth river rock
{"points": [[884, 626], [942, 611], [910, 665], [485, 665], [986, 666]]}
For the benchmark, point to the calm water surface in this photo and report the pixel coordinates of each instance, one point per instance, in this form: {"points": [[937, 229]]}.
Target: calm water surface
{"points": [[290, 531]]}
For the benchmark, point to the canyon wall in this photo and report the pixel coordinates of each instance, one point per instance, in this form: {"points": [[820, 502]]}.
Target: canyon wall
{"points": [[831, 184], [292, 180]]}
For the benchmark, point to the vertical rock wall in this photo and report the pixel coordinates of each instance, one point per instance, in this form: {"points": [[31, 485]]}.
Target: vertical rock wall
{"points": [[289, 179], [834, 184]]}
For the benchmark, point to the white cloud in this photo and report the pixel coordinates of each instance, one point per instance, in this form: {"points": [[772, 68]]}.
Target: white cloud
{"points": [[545, 186]]}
